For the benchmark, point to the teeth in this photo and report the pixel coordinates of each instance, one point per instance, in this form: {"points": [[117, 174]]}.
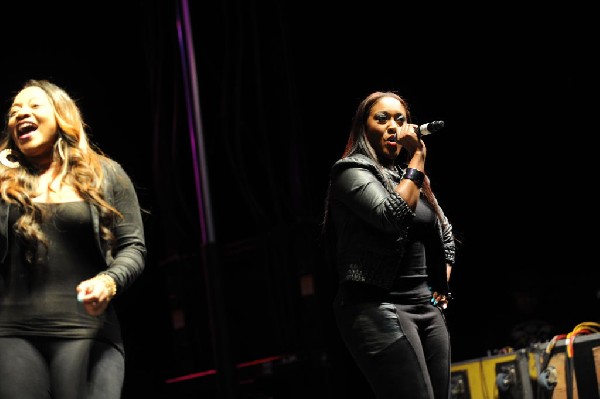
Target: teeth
{"points": [[26, 127]]}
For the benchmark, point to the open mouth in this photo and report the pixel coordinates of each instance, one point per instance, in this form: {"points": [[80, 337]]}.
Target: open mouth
{"points": [[26, 128]]}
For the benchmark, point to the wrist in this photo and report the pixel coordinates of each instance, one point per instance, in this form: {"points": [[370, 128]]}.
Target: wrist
{"points": [[419, 154], [110, 284], [415, 175]]}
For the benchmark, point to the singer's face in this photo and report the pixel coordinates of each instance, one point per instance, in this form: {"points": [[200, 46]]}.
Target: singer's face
{"points": [[32, 123], [386, 116]]}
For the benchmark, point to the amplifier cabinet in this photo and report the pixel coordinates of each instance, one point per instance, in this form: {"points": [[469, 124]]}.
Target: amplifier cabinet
{"points": [[533, 373], [571, 377], [493, 377]]}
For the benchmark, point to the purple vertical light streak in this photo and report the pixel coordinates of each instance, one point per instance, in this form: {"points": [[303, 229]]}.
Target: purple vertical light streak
{"points": [[188, 64], [214, 287]]}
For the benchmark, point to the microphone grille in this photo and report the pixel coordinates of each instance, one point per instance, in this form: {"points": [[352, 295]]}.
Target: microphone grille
{"points": [[435, 125]]}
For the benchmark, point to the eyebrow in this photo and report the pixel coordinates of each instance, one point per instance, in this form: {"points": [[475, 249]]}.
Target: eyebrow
{"points": [[36, 98]]}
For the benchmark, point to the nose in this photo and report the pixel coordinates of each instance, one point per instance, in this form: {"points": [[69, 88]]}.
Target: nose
{"points": [[23, 112], [392, 125], [397, 122]]}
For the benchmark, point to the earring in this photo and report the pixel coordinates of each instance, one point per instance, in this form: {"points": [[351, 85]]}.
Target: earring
{"points": [[60, 149], [8, 159]]}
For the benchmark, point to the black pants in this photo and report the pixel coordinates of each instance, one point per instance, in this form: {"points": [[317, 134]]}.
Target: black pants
{"points": [[403, 350], [44, 368]]}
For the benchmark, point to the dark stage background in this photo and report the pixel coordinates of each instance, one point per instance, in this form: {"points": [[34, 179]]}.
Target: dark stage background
{"points": [[236, 279]]}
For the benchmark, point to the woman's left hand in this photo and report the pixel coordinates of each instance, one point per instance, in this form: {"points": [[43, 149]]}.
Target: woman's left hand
{"points": [[94, 295], [440, 300]]}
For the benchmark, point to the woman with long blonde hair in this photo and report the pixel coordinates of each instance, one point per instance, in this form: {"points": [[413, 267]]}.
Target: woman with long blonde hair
{"points": [[71, 239]]}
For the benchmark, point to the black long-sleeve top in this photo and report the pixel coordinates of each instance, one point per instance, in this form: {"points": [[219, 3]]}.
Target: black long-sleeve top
{"points": [[40, 299]]}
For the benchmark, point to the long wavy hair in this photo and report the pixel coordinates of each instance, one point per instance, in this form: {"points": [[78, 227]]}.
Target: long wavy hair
{"points": [[78, 165]]}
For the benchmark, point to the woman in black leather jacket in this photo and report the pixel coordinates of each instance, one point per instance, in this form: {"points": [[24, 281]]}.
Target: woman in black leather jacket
{"points": [[393, 250]]}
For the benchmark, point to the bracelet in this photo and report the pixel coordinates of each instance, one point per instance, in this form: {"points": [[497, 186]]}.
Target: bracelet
{"points": [[415, 175], [110, 284]]}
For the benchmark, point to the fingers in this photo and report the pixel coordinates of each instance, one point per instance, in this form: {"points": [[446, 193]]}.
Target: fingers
{"points": [[410, 131], [95, 289], [408, 136], [94, 296], [439, 300], [95, 308]]}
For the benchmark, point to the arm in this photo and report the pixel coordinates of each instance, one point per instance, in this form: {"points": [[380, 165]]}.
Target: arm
{"points": [[449, 253], [127, 260], [129, 254], [360, 190], [409, 139]]}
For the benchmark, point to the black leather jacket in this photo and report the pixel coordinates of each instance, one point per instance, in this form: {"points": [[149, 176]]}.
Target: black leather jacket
{"points": [[371, 225]]}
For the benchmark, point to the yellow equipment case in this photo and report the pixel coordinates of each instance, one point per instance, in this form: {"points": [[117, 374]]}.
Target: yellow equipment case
{"points": [[567, 368]]}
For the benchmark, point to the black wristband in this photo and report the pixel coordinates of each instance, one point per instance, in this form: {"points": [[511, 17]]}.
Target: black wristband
{"points": [[415, 175]]}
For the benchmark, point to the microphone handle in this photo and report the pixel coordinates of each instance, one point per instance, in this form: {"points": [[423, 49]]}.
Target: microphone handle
{"points": [[428, 128]]}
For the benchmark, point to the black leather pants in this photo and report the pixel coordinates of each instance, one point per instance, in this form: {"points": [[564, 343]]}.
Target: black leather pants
{"points": [[403, 350]]}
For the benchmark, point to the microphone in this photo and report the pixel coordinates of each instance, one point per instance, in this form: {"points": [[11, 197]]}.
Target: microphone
{"points": [[428, 128]]}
